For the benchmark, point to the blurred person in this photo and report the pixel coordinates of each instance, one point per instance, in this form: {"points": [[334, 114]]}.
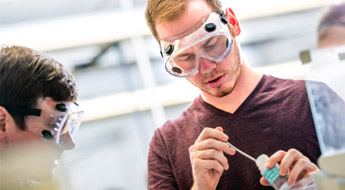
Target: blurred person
{"points": [[327, 66], [255, 112], [38, 116], [331, 29]]}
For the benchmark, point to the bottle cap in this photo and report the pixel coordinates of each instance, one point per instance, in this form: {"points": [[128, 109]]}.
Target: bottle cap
{"points": [[261, 163]]}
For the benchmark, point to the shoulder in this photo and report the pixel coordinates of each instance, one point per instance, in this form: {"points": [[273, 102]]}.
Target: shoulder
{"points": [[180, 130], [180, 124], [284, 83], [277, 88], [173, 126]]}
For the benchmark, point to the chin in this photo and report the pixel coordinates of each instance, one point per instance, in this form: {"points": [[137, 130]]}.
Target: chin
{"points": [[223, 93]]}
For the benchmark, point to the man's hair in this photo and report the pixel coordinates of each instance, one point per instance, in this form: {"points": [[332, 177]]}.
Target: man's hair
{"points": [[159, 11], [335, 15], [26, 75]]}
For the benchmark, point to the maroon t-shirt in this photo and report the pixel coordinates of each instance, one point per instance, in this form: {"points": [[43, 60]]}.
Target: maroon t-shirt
{"points": [[275, 116]]}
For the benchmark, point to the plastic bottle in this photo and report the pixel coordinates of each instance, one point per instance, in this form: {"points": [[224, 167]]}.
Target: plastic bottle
{"points": [[271, 175], [279, 182]]}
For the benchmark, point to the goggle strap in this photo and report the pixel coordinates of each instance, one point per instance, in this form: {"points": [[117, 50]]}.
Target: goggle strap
{"points": [[23, 110], [326, 25]]}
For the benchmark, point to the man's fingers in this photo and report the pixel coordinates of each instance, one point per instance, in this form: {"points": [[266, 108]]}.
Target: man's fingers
{"points": [[293, 163], [264, 182], [199, 164], [208, 151], [219, 129], [289, 160], [212, 133], [211, 154], [214, 144], [301, 168], [213, 139], [275, 158]]}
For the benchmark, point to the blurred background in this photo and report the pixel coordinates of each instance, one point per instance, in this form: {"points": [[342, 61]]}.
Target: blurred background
{"points": [[123, 86]]}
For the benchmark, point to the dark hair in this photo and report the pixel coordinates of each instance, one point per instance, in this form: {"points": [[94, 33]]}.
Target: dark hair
{"points": [[334, 15], [26, 75]]}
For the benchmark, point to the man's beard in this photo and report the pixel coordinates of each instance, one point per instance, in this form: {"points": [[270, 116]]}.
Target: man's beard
{"points": [[221, 93]]}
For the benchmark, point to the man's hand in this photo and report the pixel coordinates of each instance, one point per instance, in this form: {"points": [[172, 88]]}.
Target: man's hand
{"points": [[292, 163], [207, 158]]}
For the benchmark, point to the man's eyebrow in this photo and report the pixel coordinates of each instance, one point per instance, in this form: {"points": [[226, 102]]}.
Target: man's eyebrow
{"points": [[182, 55], [208, 40]]}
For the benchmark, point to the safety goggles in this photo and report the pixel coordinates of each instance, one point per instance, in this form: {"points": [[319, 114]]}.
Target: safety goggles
{"points": [[209, 39], [53, 121]]}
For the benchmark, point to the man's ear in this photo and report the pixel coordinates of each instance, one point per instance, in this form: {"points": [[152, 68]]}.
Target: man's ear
{"points": [[3, 118], [231, 18]]}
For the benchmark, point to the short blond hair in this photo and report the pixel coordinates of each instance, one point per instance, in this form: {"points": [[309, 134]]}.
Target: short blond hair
{"points": [[167, 10]]}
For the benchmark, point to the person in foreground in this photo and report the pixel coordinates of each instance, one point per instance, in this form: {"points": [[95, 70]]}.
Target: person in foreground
{"points": [[38, 116], [259, 114]]}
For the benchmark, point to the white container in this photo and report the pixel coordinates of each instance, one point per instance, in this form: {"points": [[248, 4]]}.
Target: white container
{"points": [[279, 182]]}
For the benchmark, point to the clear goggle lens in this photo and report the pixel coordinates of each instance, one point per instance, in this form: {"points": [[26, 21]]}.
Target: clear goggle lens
{"points": [[50, 120], [186, 62], [209, 39], [69, 123]]}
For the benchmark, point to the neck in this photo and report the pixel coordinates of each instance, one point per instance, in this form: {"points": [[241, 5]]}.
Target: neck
{"points": [[246, 83]]}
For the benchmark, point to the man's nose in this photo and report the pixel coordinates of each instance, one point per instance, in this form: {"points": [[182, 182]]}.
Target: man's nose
{"points": [[206, 66], [66, 141]]}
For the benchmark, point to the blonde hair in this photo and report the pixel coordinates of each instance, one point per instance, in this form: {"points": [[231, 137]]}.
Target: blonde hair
{"points": [[166, 10]]}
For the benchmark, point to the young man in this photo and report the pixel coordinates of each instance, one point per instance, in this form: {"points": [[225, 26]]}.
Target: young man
{"points": [[38, 115], [259, 114], [331, 30]]}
